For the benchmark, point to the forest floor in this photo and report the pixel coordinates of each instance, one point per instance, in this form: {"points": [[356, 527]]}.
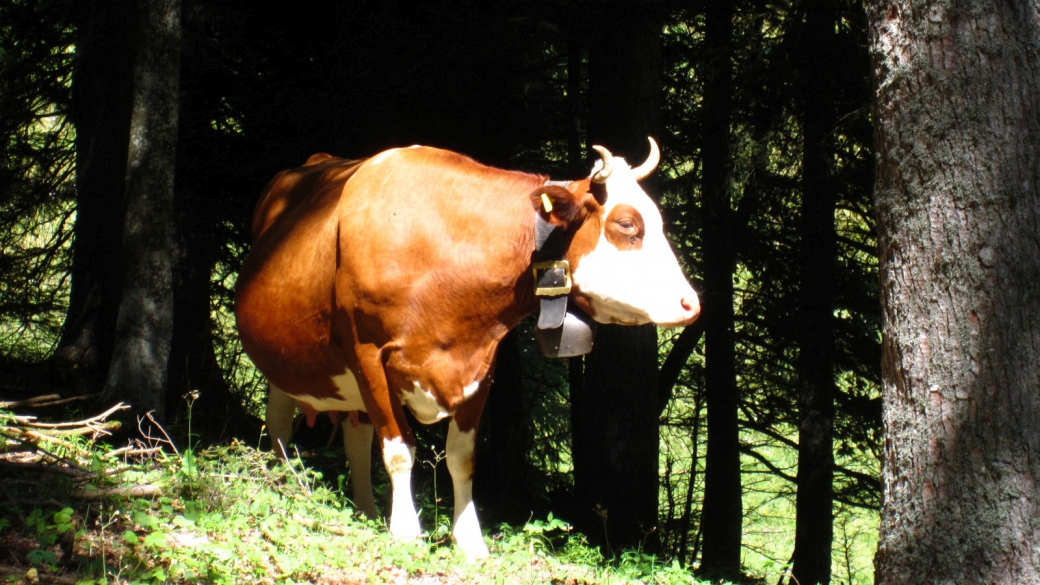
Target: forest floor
{"points": [[74, 509]]}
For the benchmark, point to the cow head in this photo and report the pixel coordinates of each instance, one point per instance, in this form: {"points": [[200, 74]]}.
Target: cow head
{"points": [[624, 270]]}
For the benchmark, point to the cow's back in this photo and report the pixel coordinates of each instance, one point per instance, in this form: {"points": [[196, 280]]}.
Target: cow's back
{"points": [[431, 230]]}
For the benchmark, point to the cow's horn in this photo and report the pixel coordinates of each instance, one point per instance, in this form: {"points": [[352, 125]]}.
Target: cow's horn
{"points": [[643, 171], [608, 165]]}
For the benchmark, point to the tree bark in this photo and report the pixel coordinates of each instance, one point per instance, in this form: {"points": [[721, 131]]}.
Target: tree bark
{"points": [[721, 518], [502, 481], [616, 431], [814, 517], [957, 113], [138, 370], [101, 102], [200, 206]]}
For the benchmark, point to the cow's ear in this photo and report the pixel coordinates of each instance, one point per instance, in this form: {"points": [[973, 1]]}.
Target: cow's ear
{"points": [[560, 206]]}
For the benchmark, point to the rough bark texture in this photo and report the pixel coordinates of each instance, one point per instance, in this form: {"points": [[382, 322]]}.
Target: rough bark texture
{"points": [[814, 525], [101, 95], [616, 438], [958, 201], [721, 518], [138, 370]]}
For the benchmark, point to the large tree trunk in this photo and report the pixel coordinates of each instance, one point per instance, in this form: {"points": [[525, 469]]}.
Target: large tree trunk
{"points": [[958, 201], [138, 370], [101, 101], [616, 428], [721, 518], [813, 524]]}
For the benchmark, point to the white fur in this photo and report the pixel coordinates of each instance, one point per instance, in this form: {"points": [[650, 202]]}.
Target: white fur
{"points": [[281, 410], [634, 286], [471, 389], [459, 450], [357, 443], [347, 397], [398, 459], [424, 405]]}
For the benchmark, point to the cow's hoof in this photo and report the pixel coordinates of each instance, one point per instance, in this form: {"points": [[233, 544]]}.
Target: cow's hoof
{"points": [[405, 526], [471, 543]]}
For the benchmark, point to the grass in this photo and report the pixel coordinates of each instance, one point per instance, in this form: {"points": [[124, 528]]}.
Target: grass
{"points": [[231, 514]]}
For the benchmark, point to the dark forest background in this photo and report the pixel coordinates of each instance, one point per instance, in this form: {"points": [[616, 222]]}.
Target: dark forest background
{"points": [[751, 436]]}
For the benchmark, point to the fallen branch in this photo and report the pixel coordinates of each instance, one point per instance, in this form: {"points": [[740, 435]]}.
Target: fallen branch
{"points": [[132, 451], [46, 400], [137, 491], [45, 468], [46, 448], [29, 421]]}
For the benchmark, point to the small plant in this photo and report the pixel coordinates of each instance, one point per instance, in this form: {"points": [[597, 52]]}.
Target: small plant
{"points": [[48, 534]]}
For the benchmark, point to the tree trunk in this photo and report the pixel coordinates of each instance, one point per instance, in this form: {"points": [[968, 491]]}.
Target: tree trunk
{"points": [[957, 114], [199, 207], [138, 370], [501, 483], [721, 518], [101, 90], [813, 524], [616, 434]]}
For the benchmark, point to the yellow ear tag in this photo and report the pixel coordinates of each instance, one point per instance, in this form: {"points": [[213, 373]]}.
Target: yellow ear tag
{"points": [[546, 203]]}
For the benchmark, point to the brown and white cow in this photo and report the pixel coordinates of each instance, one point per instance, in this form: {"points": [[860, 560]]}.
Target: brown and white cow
{"points": [[389, 282]]}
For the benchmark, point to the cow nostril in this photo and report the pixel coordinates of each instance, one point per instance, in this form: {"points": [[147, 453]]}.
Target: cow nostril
{"points": [[691, 305]]}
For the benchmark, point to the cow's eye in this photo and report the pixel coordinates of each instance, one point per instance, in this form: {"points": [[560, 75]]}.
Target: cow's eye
{"points": [[626, 225]]}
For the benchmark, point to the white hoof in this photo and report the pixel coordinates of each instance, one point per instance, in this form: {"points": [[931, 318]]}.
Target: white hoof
{"points": [[467, 534], [404, 524]]}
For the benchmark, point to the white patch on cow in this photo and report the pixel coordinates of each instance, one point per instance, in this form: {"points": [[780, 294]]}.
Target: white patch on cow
{"points": [[635, 286], [459, 452], [357, 443], [281, 410], [381, 156], [424, 405], [471, 389], [347, 396], [398, 459], [414, 146]]}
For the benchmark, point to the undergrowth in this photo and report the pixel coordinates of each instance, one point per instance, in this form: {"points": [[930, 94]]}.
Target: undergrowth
{"points": [[230, 514]]}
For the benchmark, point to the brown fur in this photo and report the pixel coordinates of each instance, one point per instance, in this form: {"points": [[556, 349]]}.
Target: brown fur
{"points": [[409, 270]]}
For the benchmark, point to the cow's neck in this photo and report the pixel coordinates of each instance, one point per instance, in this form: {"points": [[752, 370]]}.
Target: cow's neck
{"points": [[562, 330]]}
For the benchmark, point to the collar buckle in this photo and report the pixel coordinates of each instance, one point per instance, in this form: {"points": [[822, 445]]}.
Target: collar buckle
{"points": [[552, 278]]}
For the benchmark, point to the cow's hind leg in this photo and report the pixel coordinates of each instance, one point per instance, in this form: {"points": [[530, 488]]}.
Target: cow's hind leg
{"points": [[462, 438], [357, 442], [281, 410]]}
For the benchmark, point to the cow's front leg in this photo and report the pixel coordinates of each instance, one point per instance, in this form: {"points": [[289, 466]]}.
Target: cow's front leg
{"points": [[460, 454], [462, 440], [399, 457], [398, 445]]}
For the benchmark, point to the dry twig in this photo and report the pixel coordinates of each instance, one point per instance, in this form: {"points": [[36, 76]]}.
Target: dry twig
{"points": [[34, 447]]}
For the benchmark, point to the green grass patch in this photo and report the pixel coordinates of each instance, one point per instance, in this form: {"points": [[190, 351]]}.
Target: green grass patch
{"points": [[231, 514]]}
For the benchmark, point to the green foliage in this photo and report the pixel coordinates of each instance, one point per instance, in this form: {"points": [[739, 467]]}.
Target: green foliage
{"points": [[36, 176], [254, 108], [239, 518]]}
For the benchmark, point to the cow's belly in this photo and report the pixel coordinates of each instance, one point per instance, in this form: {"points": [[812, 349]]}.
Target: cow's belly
{"points": [[346, 396]]}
